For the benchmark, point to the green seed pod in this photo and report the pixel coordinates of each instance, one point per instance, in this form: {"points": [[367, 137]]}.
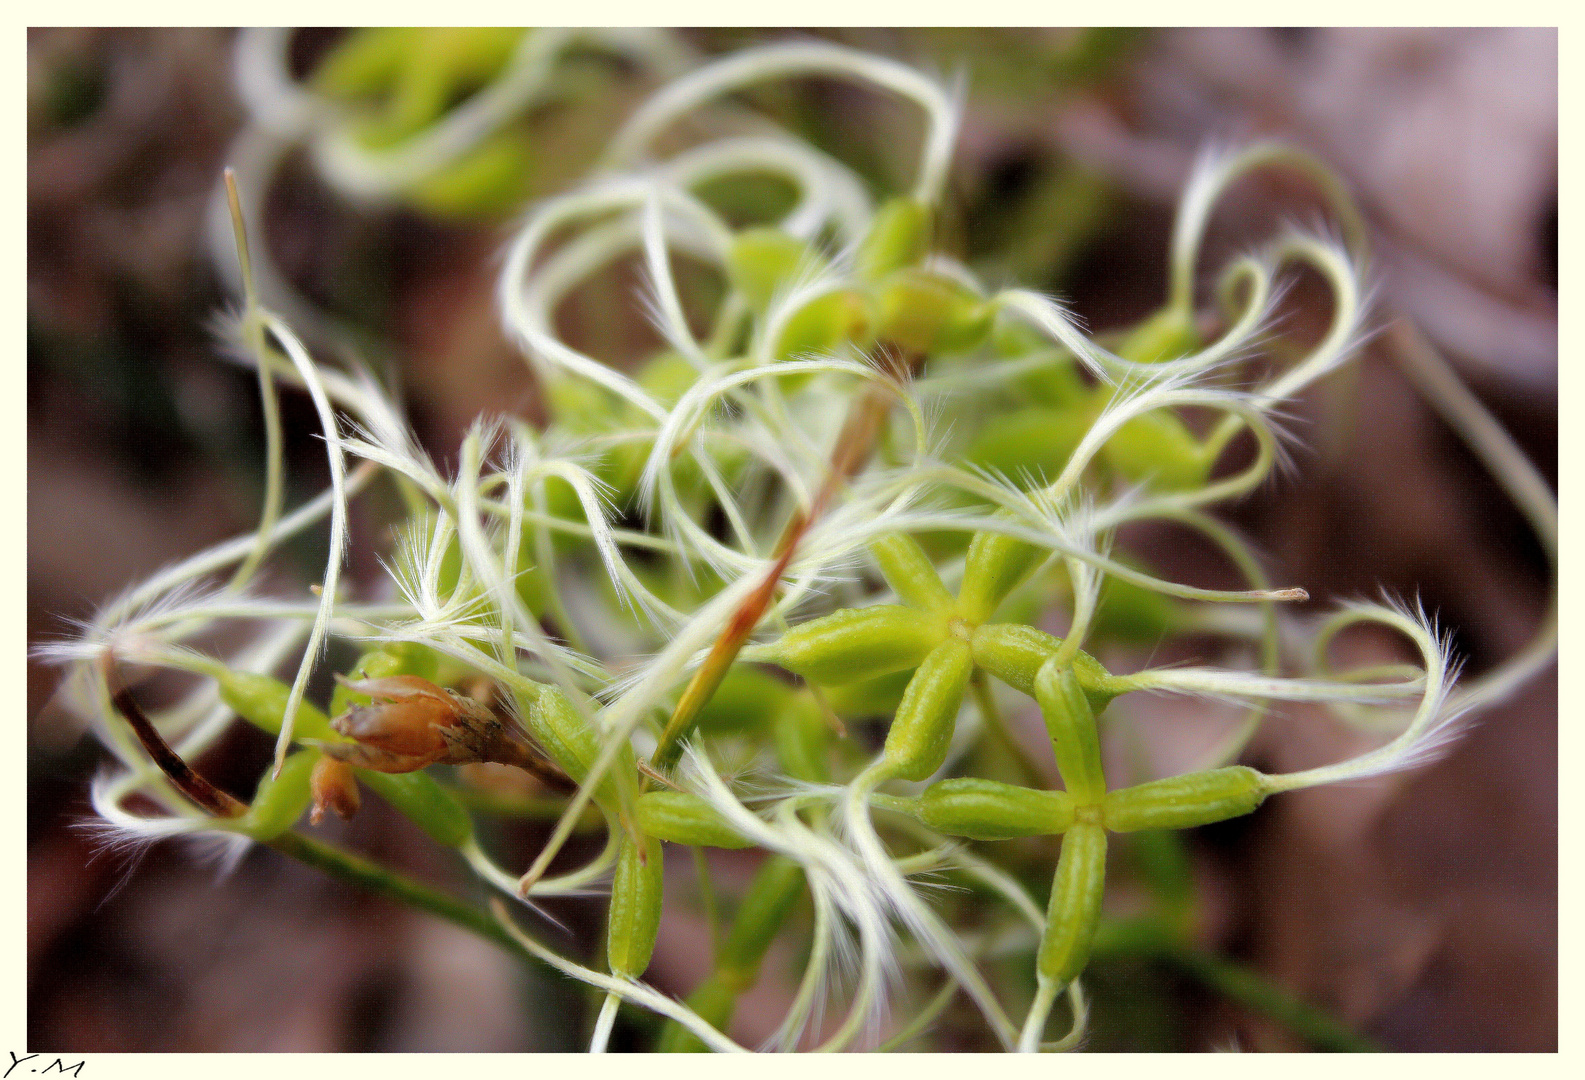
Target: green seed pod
{"points": [[261, 701], [1036, 440], [365, 61], [1182, 802], [368, 60], [926, 312], [421, 660], [561, 730], [1071, 725], [803, 740], [280, 800], [769, 900], [855, 644], [748, 700], [762, 259], [424, 802], [1157, 450], [1057, 385], [635, 907], [1135, 614], [1163, 863], [995, 566], [494, 178], [921, 732], [679, 817], [874, 697], [899, 236], [1014, 654], [579, 406], [1056, 382], [823, 325], [713, 1001], [910, 572], [1167, 335], [666, 376], [990, 810], [1075, 906], [435, 65]]}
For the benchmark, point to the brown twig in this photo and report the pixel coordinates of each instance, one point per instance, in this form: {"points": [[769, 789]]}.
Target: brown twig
{"points": [[197, 789], [854, 447]]}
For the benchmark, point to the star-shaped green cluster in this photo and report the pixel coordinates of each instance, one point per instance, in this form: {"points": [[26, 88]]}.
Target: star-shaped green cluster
{"points": [[944, 640]]}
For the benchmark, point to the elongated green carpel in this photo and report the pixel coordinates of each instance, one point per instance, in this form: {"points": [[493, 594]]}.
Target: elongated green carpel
{"points": [[909, 571], [899, 236], [1057, 382], [762, 259], [679, 817], [803, 740], [995, 566], [635, 907], [769, 900], [855, 643], [280, 800], [926, 312], [363, 62], [368, 60], [1075, 906], [667, 376], [1182, 802], [713, 1001], [873, 697], [921, 732], [748, 700], [579, 406], [1071, 724], [1167, 335], [261, 701], [823, 325], [421, 660], [1015, 653], [1036, 440], [433, 65], [991, 810], [555, 722], [424, 802], [494, 177], [1136, 614], [416, 75], [1156, 449]]}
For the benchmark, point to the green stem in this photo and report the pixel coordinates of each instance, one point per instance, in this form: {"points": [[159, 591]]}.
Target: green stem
{"points": [[985, 698], [1240, 984], [359, 871], [921, 1023], [508, 804], [712, 915], [1156, 938]]}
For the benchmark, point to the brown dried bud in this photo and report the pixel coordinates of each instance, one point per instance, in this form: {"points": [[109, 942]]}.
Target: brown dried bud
{"points": [[413, 723], [334, 787]]}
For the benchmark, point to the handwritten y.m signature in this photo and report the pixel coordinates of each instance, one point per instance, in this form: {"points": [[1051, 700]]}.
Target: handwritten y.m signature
{"points": [[55, 1066]]}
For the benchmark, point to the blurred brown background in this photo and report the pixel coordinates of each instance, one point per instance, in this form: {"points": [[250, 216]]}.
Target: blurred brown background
{"points": [[1423, 910]]}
